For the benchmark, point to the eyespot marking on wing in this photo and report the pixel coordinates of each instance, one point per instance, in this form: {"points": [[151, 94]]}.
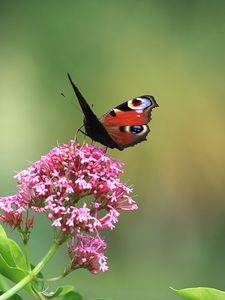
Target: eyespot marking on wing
{"points": [[135, 129], [139, 103]]}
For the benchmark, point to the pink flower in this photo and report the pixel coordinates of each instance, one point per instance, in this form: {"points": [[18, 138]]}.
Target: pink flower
{"points": [[56, 185], [13, 209], [88, 252]]}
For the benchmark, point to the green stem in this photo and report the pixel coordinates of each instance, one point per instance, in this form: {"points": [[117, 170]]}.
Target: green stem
{"points": [[34, 272], [53, 278], [61, 276], [27, 255]]}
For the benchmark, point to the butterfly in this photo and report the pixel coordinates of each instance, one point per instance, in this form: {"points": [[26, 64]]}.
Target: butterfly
{"points": [[123, 126]]}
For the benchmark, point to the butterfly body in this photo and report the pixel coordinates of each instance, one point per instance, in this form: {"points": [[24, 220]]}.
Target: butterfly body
{"points": [[122, 127]]}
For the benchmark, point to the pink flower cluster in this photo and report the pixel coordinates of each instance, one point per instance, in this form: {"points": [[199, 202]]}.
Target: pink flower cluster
{"points": [[56, 186], [88, 252]]}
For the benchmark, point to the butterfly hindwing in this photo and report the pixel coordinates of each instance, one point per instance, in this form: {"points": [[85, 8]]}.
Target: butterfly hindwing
{"points": [[127, 123]]}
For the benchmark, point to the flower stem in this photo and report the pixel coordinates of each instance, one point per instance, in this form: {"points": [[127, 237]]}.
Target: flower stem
{"points": [[61, 276], [27, 255], [32, 274], [53, 278]]}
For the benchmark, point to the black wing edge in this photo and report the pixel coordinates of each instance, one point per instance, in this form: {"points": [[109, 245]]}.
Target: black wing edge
{"points": [[83, 103], [93, 127]]}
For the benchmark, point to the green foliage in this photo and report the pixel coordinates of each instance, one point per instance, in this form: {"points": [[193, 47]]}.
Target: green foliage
{"points": [[71, 296], [12, 261], [2, 232], [200, 293], [61, 291]]}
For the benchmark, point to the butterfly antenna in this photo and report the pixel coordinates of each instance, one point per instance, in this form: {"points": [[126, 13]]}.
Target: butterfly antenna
{"points": [[70, 102]]}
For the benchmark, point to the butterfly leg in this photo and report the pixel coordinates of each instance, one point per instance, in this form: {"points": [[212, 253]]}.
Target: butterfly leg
{"points": [[76, 133], [75, 137], [84, 133]]}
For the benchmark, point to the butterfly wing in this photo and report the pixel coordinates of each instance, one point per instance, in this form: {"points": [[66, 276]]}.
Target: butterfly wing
{"points": [[93, 127], [127, 123], [124, 126]]}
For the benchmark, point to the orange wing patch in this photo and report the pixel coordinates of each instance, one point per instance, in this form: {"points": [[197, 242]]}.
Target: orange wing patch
{"points": [[125, 139], [128, 118]]}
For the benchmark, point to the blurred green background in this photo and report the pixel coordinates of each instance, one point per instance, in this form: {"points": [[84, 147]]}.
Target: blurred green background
{"points": [[115, 50]]}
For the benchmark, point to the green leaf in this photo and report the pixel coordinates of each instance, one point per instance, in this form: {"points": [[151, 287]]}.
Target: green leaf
{"points": [[13, 273], [200, 293], [14, 297], [5, 252], [3, 284], [61, 291], [71, 296], [12, 262], [2, 232], [12, 253], [17, 255]]}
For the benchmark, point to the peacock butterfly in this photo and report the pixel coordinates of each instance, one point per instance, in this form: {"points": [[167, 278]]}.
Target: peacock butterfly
{"points": [[122, 127]]}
